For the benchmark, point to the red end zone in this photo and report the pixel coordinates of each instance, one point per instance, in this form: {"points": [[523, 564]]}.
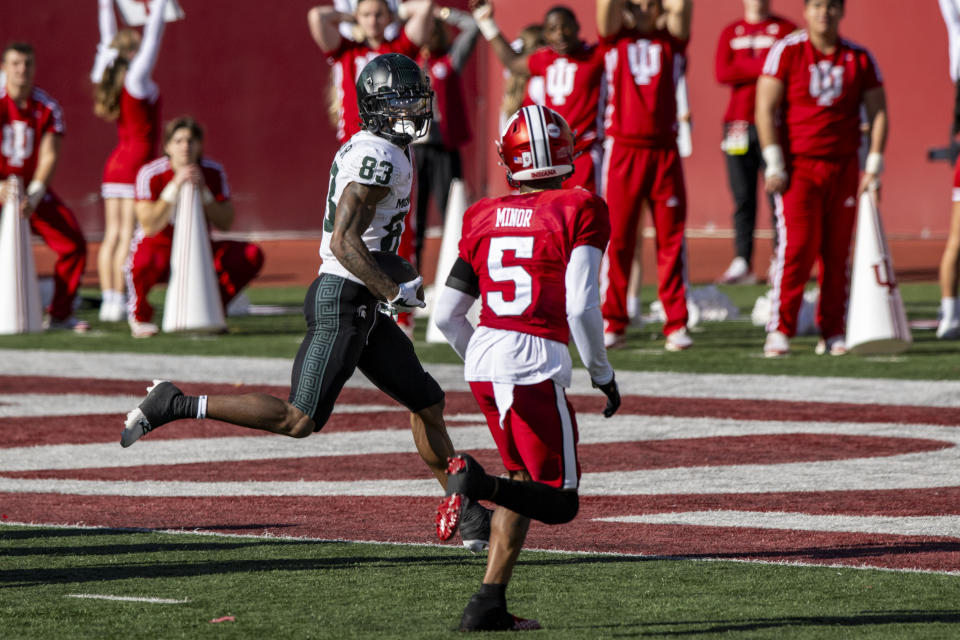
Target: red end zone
{"points": [[870, 515]]}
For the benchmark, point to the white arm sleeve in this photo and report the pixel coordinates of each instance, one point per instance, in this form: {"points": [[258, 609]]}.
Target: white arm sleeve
{"points": [[139, 82], [951, 18], [108, 31], [583, 311], [451, 311]]}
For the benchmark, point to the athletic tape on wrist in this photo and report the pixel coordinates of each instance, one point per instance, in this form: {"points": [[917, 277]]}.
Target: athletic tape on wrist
{"points": [[874, 163], [488, 28], [773, 158]]}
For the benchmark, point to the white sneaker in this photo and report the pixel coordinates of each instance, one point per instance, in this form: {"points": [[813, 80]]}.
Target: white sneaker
{"points": [[776, 345], [948, 329], [835, 346], [143, 329], [738, 273], [113, 311], [679, 340], [613, 340]]}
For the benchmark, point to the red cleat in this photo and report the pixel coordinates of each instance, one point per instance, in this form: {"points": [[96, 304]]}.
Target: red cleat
{"points": [[448, 516]]}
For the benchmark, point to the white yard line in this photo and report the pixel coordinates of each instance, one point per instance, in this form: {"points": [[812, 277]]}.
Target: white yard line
{"points": [[276, 371], [96, 596], [926, 469], [935, 526]]}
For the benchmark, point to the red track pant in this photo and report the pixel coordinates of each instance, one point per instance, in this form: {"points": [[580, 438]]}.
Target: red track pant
{"points": [[815, 220], [58, 227], [632, 176], [236, 264]]}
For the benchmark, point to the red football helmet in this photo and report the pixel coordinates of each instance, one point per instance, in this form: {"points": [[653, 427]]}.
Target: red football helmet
{"points": [[536, 143]]}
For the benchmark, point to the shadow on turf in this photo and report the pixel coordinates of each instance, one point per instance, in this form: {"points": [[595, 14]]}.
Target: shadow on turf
{"points": [[864, 619], [17, 578]]}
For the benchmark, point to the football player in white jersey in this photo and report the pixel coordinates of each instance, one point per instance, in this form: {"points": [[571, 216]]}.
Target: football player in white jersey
{"points": [[368, 198]]}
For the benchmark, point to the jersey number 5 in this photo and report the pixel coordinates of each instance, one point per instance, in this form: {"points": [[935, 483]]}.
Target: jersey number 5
{"points": [[522, 247]]}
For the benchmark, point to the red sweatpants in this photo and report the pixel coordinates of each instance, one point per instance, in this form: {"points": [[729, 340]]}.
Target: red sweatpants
{"points": [[236, 264], [815, 220], [55, 223], [631, 176]]}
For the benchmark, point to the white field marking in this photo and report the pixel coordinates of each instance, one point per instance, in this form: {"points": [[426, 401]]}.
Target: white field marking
{"points": [[928, 526], [70, 404], [276, 371], [570, 552], [593, 429], [939, 468], [96, 596]]}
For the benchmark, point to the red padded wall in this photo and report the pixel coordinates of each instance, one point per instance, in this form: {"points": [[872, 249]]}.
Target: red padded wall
{"points": [[250, 72]]}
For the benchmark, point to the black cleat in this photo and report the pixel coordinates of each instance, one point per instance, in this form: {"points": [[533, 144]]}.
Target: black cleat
{"points": [[155, 410], [486, 613], [475, 526]]}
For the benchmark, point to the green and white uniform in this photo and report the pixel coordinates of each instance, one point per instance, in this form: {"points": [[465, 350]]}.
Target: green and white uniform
{"points": [[370, 160], [345, 331]]}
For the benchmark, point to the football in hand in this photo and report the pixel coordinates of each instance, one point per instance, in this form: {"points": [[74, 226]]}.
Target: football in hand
{"points": [[397, 268]]}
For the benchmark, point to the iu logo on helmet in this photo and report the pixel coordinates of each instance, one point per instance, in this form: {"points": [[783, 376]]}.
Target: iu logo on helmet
{"points": [[559, 80], [826, 82]]}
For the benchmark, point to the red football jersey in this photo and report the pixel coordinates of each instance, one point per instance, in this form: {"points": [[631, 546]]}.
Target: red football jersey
{"points": [[348, 61], [822, 94], [23, 128], [641, 81], [519, 247], [742, 49], [572, 88]]}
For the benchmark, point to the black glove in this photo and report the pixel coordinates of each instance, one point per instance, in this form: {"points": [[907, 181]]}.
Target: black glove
{"points": [[612, 391]]}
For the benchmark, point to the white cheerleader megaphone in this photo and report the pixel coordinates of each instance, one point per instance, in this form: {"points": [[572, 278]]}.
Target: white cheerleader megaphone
{"points": [[20, 307], [193, 295], [876, 320]]}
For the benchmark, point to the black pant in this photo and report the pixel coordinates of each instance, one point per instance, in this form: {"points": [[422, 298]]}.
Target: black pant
{"points": [[436, 169], [345, 331], [743, 172]]}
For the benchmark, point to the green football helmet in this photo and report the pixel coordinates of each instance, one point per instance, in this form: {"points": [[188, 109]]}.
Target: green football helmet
{"points": [[395, 99]]}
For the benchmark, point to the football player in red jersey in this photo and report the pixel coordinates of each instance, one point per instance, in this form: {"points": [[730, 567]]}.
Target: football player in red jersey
{"points": [[124, 93], [818, 81], [641, 162], [741, 50], [534, 260], [31, 126], [348, 58], [572, 72]]}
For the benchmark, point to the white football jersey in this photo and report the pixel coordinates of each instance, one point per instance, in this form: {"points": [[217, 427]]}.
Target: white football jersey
{"points": [[369, 159]]}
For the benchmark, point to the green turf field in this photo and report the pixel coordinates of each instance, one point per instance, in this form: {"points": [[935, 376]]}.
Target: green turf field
{"points": [[721, 347], [277, 588], [308, 589]]}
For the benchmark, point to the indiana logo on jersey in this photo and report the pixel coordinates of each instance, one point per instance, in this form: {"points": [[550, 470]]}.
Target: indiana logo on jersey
{"points": [[17, 144], [645, 60], [826, 82], [559, 80]]}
